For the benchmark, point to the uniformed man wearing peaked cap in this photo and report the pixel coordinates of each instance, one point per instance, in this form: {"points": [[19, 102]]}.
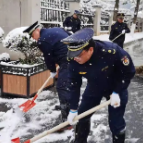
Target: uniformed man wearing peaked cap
{"points": [[108, 70], [118, 28], [54, 52], [73, 22]]}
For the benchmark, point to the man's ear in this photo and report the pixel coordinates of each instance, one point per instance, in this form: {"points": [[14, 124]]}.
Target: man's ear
{"points": [[91, 49]]}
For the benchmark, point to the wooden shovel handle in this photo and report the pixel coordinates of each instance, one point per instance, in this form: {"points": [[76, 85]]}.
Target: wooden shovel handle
{"points": [[67, 123], [116, 37], [40, 90]]}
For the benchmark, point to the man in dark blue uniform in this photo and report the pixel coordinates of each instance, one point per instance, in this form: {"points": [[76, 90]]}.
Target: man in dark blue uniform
{"points": [[108, 70], [54, 52], [73, 22], [118, 28]]}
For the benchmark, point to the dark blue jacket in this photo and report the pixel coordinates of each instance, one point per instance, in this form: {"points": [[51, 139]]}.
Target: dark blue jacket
{"points": [[109, 69], [75, 24], [54, 51], [116, 29]]}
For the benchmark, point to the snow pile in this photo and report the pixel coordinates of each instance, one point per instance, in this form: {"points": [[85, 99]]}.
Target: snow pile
{"points": [[1, 34], [42, 117], [4, 57], [140, 14]]}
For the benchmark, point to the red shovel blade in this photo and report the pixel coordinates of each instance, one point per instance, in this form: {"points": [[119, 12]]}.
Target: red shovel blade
{"points": [[25, 107], [16, 140]]}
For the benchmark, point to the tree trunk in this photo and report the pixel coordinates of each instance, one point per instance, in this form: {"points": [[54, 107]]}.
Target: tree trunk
{"points": [[116, 8], [136, 11]]}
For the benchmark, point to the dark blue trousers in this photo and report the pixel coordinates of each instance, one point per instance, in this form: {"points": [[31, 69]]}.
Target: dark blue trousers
{"points": [[63, 90], [121, 44], [116, 116]]}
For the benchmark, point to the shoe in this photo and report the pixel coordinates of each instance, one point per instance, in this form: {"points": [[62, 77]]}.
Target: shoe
{"points": [[57, 107], [119, 138]]}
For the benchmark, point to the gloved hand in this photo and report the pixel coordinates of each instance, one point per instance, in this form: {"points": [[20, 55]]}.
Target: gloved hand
{"points": [[71, 116], [66, 28], [123, 31], [115, 100], [53, 74], [69, 28]]}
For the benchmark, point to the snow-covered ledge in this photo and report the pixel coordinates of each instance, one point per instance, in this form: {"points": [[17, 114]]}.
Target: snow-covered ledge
{"points": [[10, 64], [129, 37], [133, 45]]}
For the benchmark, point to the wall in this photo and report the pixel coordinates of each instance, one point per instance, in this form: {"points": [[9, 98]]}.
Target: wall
{"points": [[9, 14], [30, 12], [74, 6], [17, 13]]}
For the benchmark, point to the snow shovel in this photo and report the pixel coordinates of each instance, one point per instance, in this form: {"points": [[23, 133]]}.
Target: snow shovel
{"points": [[17, 140], [25, 107], [117, 37]]}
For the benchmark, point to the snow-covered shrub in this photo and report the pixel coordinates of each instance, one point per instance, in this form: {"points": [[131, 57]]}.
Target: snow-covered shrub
{"points": [[1, 34], [18, 41]]}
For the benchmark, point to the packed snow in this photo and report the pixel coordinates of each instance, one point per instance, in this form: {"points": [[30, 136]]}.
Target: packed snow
{"points": [[4, 56], [129, 37], [43, 117], [40, 118]]}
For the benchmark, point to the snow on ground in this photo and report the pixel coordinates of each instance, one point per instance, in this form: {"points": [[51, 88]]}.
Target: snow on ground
{"points": [[43, 117], [133, 45], [129, 37], [40, 118]]}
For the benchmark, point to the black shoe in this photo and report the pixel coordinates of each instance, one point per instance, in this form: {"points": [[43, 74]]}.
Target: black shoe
{"points": [[82, 131], [119, 138], [57, 107]]}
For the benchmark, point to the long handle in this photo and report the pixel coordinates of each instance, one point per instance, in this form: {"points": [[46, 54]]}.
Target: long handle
{"points": [[40, 90], [117, 37], [67, 123]]}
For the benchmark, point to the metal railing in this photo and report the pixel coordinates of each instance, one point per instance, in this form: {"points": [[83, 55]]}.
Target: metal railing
{"points": [[104, 23], [54, 12], [87, 20]]}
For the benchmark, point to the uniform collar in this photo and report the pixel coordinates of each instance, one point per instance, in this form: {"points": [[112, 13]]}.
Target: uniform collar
{"points": [[119, 23], [94, 55], [74, 18]]}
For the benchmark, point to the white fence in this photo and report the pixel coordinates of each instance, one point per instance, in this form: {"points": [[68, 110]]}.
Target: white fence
{"points": [[104, 23], [54, 12]]}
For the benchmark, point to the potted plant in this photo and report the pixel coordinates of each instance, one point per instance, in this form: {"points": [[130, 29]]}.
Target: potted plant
{"points": [[26, 75]]}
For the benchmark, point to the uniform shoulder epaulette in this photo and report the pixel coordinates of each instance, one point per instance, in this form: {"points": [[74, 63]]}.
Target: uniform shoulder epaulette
{"points": [[109, 51]]}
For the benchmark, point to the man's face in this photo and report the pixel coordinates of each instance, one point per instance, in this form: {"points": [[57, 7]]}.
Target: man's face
{"points": [[75, 16], [84, 56], [120, 20], [36, 34]]}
